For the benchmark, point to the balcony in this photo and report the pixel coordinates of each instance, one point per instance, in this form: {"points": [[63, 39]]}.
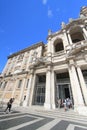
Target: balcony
{"points": [[76, 47]]}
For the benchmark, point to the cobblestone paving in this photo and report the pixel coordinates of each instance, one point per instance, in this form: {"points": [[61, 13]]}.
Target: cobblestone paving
{"points": [[25, 121]]}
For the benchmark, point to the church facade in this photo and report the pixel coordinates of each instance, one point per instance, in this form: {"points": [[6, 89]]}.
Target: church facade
{"points": [[41, 73]]}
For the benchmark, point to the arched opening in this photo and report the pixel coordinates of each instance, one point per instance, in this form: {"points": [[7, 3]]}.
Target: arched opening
{"points": [[76, 34], [58, 45]]}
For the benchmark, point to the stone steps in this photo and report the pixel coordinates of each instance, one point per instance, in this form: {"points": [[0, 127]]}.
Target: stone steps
{"points": [[57, 113], [62, 114]]}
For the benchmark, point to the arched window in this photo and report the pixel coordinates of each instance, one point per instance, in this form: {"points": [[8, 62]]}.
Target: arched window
{"points": [[58, 45], [76, 34]]}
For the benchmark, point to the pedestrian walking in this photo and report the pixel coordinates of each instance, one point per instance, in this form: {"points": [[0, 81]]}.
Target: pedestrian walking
{"points": [[9, 104]]}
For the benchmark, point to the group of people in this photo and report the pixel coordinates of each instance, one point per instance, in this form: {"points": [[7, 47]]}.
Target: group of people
{"points": [[66, 103]]}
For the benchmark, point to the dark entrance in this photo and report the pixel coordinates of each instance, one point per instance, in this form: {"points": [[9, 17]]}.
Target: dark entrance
{"points": [[63, 91], [39, 96], [63, 86], [67, 93]]}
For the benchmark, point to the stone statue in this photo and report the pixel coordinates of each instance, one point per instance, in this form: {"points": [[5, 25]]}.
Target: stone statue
{"points": [[63, 25], [49, 32]]}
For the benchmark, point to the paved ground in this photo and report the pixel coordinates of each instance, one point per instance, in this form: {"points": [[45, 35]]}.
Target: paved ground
{"points": [[18, 120]]}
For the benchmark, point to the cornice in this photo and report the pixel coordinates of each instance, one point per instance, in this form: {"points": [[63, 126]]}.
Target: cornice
{"points": [[54, 34], [27, 49], [73, 22]]}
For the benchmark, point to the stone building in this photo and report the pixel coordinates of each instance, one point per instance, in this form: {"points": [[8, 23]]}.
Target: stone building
{"points": [[41, 73]]}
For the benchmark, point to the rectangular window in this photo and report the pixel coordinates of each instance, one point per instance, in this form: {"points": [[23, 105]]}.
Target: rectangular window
{"points": [[4, 85], [27, 83], [0, 84], [20, 82]]}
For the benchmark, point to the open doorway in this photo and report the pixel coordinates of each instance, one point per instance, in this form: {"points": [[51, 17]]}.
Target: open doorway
{"points": [[63, 91], [39, 93]]}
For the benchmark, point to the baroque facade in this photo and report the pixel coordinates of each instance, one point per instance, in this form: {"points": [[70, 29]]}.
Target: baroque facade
{"points": [[41, 73]]}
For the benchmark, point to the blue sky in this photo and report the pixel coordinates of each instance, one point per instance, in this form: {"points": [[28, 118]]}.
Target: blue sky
{"points": [[26, 22]]}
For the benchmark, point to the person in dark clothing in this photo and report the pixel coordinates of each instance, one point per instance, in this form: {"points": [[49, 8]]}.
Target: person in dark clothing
{"points": [[9, 104]]}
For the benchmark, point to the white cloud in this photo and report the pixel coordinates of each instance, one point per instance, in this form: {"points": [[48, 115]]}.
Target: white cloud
{"points": [[50, 14], [44, 2]]}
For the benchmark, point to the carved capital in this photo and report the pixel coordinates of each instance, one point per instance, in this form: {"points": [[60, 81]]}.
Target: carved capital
{"points": [[72, 63], [64, 31], [49, 68], [31, 71], [68, 32]]}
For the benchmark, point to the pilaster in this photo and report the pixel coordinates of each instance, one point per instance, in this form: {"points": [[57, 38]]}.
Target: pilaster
{"points": [[32, 90], [15, 86], [26, 102], [22, 91], [5, 89]]}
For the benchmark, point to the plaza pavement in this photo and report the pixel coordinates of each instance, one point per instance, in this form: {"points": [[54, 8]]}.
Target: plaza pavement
{"points": [[37, 118]]}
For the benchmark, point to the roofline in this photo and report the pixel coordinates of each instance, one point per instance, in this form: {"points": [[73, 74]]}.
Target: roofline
{"points": [[27, 49]]}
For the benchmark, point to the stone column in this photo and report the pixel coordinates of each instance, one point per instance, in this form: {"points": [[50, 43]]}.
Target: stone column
{"points": [[53, 90], [72, 86], [83, 85], [26, 102], [66, 37], [70, 40], [77, 95], [22, 91], [85, 32], [47, 103]]}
